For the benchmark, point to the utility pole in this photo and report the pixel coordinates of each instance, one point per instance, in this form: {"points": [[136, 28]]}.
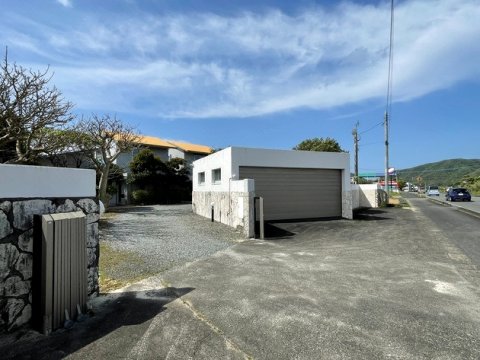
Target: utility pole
{"points": [[389, 93], [386, 152], [355, 141]]}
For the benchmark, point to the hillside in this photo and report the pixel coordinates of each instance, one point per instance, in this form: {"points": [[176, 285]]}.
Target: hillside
{"points": [[443, 173]]}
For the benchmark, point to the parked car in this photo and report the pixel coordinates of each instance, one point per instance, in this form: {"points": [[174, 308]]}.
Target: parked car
{"points": [[457, 194], [433, 191]]}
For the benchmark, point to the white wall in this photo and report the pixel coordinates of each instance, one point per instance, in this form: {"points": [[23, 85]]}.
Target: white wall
{"points": [[366, 196], [22, 181], [221, 159], [230, 159]]}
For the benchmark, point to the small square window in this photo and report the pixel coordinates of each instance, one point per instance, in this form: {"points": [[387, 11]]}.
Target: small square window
{"points": [[216, 176], [201, 178]]}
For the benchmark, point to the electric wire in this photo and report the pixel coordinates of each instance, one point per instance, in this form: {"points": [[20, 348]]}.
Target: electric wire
{"points": [[390, 61], [371, 128]]}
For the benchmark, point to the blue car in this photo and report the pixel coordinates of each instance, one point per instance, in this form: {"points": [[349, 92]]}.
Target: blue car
{"points": [[458, 194]]}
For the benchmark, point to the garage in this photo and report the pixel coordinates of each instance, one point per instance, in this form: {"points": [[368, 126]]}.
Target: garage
{"points": [[293, 184], [295, 193]]}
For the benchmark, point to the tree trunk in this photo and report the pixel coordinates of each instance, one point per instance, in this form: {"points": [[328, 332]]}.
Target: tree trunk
{"points": [[102, 188], [19, 151]]}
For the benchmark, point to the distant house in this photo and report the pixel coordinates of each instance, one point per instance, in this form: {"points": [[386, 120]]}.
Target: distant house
{"points": [[165, 150]]}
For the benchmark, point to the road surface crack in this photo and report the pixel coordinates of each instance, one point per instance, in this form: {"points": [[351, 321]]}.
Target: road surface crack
{"points": [[201, 317]]}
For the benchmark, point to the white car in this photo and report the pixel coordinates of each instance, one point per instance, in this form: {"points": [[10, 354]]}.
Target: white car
{"points": [[433, 191]]}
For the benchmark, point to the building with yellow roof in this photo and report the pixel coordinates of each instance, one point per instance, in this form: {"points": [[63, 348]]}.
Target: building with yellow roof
{"points": [[165, 150]]}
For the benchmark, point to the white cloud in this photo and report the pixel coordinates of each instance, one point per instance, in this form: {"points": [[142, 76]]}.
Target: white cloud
{"points": [[205, 65], [66, 3]]}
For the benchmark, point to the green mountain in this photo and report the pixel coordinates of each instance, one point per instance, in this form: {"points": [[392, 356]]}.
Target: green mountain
{"points": [[442, 173]]}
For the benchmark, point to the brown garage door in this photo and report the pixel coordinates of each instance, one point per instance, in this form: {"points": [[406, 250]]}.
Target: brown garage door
{"points": [[291, 193]]}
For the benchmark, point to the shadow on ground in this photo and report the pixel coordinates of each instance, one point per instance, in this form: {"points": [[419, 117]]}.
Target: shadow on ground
{"points": [[119, 310], [285, 229], [369, 215], [130, 209], [274, 231]]}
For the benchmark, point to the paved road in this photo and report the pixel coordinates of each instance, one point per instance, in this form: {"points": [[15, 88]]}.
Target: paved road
{"points": [[473, 205], [461, 229], [388, 285]]}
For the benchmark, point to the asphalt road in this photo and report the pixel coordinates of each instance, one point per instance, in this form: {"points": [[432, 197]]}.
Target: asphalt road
{"points": [[461, 229], [387, 285], [473, 205]]}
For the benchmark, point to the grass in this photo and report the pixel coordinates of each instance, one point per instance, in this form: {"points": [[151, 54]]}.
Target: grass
{"points": [[396, 200], [113, 268], [118, 268]]}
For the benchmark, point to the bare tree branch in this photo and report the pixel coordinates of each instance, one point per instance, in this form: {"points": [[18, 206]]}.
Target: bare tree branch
{"points": [[28, 110], [103, 139]]}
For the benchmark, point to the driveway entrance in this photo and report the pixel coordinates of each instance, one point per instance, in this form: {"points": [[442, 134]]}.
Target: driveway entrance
{"points": [[388, 285]]}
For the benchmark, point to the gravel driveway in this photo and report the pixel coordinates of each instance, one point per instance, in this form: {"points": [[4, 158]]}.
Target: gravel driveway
{"points": [[147, 240]]}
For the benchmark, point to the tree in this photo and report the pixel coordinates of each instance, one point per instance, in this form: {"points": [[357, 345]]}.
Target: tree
{"points": [[30, 111], [146, 169], [319, 144], [401, 184], [103, 139], [158, 181], [70, 153], [7, 147], [115, 177]]}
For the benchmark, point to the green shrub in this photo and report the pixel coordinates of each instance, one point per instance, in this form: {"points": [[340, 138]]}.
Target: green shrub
{"points": [[141, 197]]}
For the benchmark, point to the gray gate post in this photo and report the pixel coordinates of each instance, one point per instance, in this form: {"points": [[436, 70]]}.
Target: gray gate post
{"points": [[262, 223]]}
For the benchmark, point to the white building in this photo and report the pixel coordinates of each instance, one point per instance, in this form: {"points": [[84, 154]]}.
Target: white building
{"points": [[294, 185]]}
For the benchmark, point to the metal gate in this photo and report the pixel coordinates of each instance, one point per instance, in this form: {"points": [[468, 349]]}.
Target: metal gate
{"points": [[60, 269]]}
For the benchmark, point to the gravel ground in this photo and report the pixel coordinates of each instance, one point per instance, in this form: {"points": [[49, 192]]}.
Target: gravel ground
{"points": [[159, 237]]}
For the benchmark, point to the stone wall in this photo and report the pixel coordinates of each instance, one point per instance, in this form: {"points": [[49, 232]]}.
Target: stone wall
{"points": [[16, 252], [347, 205], [233, 208]]}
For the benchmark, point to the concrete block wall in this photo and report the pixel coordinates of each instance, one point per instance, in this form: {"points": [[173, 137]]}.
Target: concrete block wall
{"points": [[367, 196]]}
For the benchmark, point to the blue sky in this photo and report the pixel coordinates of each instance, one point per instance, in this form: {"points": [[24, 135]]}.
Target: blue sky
{"points": [[265, 73]]}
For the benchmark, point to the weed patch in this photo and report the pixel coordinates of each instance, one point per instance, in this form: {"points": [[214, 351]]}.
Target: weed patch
{"points": [[119, 268]]}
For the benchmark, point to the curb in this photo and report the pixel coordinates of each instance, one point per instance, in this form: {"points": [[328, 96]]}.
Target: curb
{"points": [[460, 208]]}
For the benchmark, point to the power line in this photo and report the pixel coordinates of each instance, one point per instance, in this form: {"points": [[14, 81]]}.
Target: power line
{"points": [[369, 129]]}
